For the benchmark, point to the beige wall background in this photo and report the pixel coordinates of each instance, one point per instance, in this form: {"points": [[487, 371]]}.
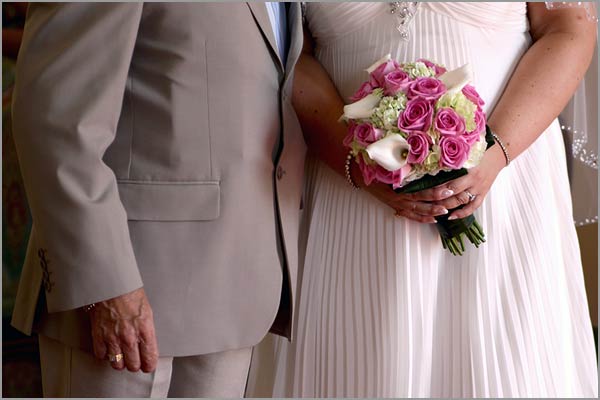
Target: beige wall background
{"points": [[588, 242]]}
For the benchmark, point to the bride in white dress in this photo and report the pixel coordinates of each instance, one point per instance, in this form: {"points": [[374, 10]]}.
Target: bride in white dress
{"points": [[383, 310]]}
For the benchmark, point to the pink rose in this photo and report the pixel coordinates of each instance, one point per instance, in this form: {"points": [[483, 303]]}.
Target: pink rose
{"points": [[427, 88], [378, 75], [349, 138], [419, 147], [400, 175], [394, 178], [474, 136], [471, 94], [454, 152], [364, 90], [395, 82], [365, 134], [448, 122], [417, 116], [437, 68], [368, 171]]}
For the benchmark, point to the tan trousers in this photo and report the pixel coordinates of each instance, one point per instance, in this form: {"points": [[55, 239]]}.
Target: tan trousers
{"points": [[70, 372]]}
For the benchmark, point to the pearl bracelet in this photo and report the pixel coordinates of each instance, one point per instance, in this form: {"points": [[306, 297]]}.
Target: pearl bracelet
{"points": [[502, 146], [347, 171], [89, 307]]}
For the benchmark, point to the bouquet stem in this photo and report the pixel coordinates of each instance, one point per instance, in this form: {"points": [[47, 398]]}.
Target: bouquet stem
{"points": [[453, 233]]}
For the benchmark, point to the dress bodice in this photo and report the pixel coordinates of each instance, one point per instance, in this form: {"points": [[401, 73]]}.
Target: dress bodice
{"points": [[329, 21], [490, 36]]}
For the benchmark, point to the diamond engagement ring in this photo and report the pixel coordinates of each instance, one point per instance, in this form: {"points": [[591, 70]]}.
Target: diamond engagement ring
{"points": [[115, 358], [471, 196]]}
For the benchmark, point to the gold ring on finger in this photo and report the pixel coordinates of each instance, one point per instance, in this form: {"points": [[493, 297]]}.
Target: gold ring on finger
{"points": [[115, 358]]}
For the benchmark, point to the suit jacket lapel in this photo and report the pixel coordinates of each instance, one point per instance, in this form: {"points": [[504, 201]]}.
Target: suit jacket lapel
{"points": [[261, 16]]}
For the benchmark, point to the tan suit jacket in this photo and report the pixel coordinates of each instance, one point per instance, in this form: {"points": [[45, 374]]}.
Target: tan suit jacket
{"points": [[159, 148]]}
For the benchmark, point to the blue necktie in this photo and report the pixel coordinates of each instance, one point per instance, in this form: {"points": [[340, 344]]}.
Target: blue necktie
{"points": [[279, 11]]}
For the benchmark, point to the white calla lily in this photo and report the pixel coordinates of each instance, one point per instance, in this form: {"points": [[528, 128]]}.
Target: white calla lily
{"points": [[377, 63], [364, 107], [457, 79], [391, 152]]}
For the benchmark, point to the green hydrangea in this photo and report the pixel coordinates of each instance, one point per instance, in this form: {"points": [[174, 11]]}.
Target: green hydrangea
{"points": [[417, 70], [386, 114], [432, 162], [463, 107]]}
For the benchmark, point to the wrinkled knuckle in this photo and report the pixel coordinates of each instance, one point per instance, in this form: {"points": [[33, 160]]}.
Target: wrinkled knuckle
{"points": [[146, 337], [111, 339], [129, 343], [127, 329], [149, 355]]}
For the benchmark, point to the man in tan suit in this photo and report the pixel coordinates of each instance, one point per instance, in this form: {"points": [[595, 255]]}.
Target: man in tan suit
{"points": [[163, 164]]}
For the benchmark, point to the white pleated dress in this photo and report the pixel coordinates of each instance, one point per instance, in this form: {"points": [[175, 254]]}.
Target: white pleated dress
{"points": [[383, 310]]}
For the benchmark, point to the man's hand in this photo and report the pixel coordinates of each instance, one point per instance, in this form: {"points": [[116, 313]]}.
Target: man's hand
{"points": [[124, 325]]}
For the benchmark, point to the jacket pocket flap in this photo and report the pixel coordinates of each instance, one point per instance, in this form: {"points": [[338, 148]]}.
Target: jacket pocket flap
{"points": [[170, 201]]}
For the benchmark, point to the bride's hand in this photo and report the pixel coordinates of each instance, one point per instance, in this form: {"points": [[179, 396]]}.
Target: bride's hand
{"points": [[477, 182], [411, 206]]}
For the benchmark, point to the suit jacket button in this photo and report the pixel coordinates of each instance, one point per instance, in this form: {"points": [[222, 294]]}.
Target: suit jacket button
{"points": [[280, 172]]}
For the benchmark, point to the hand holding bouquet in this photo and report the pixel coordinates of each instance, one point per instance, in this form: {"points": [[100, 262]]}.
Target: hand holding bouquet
{"points": [[415, 126]]}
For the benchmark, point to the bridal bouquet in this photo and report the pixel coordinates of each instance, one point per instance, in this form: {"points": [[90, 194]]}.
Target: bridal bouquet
{"points": [[415, 126]]}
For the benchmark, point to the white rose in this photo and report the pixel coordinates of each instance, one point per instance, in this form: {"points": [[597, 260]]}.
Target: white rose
{"points": [[476, 153]]}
